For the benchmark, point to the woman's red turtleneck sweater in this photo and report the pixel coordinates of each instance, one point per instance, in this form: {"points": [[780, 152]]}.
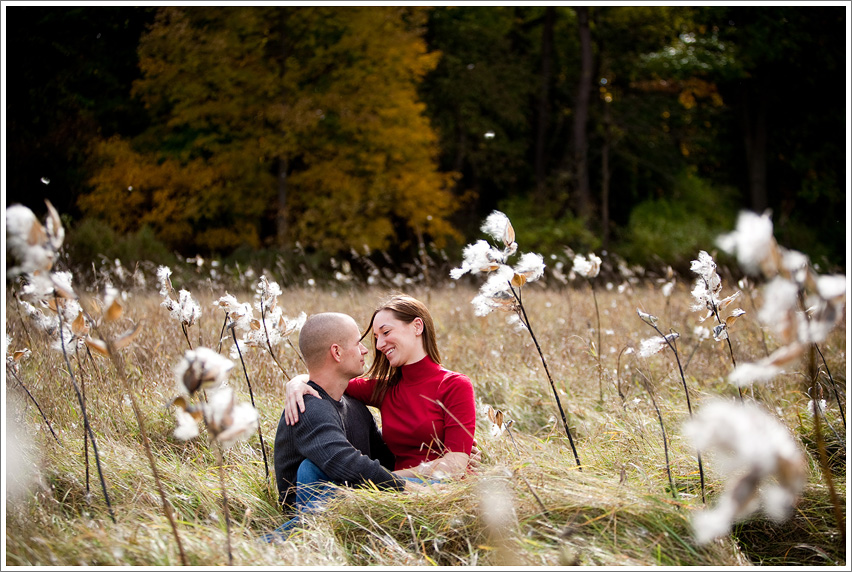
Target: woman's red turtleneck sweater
{"points": [[414, 426]]}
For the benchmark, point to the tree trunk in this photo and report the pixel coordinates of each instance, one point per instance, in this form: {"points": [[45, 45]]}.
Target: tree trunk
{"points": [[543, 98], [754, 121], [605, 177], [281, 226], [581, 115]]}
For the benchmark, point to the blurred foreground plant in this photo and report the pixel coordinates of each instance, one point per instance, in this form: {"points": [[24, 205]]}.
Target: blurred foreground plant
{"points": [[801, 307], [651, 346], [227, 422], [756, 452]]}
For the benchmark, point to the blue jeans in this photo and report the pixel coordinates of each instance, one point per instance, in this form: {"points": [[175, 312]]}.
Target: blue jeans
{"points": [[313, 489]]}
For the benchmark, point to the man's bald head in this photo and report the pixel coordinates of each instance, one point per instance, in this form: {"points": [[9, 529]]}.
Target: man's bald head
{"points": [[320, 332]]}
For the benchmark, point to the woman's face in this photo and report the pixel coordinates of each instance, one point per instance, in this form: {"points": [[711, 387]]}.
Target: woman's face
{"points": [[401, 343]]}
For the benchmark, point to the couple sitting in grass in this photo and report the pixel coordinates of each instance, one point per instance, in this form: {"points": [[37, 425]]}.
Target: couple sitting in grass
{"points": [[428, 412]]}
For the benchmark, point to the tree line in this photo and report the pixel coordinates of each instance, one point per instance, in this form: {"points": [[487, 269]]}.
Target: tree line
{"points": [[636, 129]]}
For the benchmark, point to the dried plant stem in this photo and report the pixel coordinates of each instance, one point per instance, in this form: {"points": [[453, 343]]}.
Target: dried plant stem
{"points": [[823, 455], [225, 511], [833, 385], [298, 353], [118, 364], [222, 334], [269, 344], [762, 333], [81, 402], [688, 402], [21, 318], [544, 510], [526, 321], [185, 334], [33, 399], [167, 508], [85, 435], [598, 352], [663, 429], [715, 311], [251, 395]]}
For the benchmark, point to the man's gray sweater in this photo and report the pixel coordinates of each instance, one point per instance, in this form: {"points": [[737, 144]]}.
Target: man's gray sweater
{"points": [[341, 438]]}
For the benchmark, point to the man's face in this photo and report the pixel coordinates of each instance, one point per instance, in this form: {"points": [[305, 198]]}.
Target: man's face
{"points": [[352, 351]]}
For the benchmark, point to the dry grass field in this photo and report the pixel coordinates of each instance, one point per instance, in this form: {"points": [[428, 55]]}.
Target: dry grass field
{"points": [[528, 504]]}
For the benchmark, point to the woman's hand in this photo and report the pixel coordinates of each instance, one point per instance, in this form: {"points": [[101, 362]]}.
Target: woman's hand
{"points": [[475, 457], [452, 465], [294, 402]]}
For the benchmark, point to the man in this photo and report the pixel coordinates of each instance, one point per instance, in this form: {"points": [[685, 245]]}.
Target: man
{"points": [[337, 435]]}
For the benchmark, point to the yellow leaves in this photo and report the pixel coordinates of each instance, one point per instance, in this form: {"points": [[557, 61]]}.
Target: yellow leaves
{"points": [[367, 164]]}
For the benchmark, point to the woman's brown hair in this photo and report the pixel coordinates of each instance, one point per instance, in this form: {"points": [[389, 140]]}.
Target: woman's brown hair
{"points": [[404, 308]]}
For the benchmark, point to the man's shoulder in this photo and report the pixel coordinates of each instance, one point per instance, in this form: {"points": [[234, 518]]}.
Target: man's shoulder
{"points": [[317, 405]]}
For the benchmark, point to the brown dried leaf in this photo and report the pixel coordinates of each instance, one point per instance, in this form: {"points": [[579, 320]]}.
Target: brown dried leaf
{"points": [[114, 311], [98, 346], [255, 324], [519, 280], [124, 339], [79, 327], [729, 321]]}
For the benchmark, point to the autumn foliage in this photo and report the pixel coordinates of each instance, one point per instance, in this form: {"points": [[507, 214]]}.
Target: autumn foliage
{"points": [[302, 120]]}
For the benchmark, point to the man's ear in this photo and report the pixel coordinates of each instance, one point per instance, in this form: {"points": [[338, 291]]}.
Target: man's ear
{"points": [[335, 352]]}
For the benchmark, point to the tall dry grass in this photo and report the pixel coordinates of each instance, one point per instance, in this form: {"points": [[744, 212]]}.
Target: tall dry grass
{"points": [[619, 510]]}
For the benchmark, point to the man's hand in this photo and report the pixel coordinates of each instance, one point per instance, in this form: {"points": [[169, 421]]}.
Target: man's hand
{"points": [[294, 402]]}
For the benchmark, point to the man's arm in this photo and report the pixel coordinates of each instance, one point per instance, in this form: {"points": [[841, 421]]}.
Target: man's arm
{"points": [[379, 449], [320, 438]]}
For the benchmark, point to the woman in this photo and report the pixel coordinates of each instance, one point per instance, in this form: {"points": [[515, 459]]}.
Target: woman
{"points": [[428, 412]]}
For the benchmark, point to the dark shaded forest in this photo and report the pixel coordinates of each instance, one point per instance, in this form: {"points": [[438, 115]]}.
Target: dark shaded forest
{"points": [[223, 131]]}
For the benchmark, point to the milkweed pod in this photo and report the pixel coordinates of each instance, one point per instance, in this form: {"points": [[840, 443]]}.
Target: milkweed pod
{"points": [[729, 321], [509, 234], [55, 231], [183, 403], [725, 302]]}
